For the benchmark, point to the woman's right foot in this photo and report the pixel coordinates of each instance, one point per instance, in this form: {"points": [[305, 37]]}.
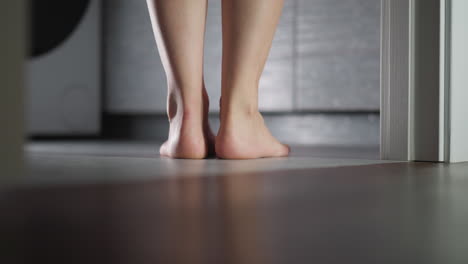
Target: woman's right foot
{"points": [[245, 136]]}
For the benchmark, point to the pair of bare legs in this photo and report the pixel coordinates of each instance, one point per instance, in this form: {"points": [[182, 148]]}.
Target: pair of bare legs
{"points": [[248, 31]]}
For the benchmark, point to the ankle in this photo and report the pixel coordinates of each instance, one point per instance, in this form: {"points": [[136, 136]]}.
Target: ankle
{"points": [[186, 119], [183, 110], [238, 110]]}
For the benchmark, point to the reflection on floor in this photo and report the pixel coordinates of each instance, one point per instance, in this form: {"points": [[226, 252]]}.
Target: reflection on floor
{"points": [[296, 210], [150, 149], [67, 162]]}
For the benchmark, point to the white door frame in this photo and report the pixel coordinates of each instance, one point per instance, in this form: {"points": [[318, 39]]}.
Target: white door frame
{"points": [[420, 114]]}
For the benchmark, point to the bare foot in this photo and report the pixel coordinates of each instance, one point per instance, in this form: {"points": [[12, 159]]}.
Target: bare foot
{"points": [[190, 135], [245, 136]]}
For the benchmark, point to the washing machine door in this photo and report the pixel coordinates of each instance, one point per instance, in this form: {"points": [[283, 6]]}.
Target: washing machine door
{"points": [[52, 22]]}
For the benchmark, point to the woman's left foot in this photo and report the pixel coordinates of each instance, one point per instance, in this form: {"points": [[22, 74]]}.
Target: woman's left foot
{"points": [[190, 135]]}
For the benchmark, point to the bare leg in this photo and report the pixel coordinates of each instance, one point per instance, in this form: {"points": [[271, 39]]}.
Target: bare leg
{"points": [[179, 28], [248, 30]]}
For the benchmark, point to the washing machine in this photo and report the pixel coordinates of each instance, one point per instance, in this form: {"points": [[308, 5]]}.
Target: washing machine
{"points": [[63, 71]]}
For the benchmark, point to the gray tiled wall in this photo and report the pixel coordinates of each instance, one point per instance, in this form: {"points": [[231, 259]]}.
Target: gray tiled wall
{"points": [[325, 56], [338, 54]]}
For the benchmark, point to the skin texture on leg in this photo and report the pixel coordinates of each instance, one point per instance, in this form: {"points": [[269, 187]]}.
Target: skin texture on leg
{"points": [[179, 29], [248, 30]]}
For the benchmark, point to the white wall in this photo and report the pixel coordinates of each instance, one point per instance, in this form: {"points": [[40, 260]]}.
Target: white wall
{"points": [[459, 81], [11, 93]]}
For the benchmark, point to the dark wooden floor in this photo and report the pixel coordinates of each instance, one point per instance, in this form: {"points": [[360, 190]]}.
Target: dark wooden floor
{"points": [[382, 213]]}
